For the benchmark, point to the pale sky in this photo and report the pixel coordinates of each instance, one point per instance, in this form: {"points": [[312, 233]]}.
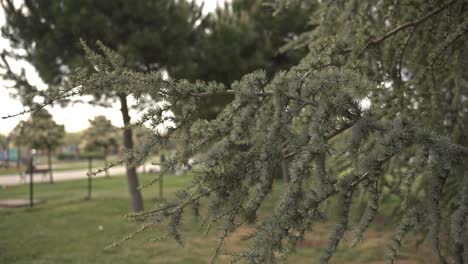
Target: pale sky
{"points": [[74, 117]]}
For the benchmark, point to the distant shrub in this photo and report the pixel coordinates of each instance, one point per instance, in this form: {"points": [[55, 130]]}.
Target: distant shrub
{"points": [[92, 155], [66, 156]]}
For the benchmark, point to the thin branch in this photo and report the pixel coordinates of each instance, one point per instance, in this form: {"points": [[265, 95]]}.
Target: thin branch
{"points": [[226, 92], [400, 63], [37, 107], [406, 25]]}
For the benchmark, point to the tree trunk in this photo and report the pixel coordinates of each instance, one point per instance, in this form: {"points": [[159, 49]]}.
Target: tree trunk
{"points": [[161, 187], [105, 162], [7, 160], [49, 161], [132, 177], [90, 178], [18, 161]]}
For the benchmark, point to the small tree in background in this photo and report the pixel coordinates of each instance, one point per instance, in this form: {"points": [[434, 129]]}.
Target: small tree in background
{"points": [[72, 141], [101, 136], [4, 146], [3, 141], [40, 132], [18, 141]]}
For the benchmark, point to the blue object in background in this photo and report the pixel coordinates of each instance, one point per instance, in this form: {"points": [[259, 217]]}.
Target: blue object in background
{"points": [[13, 154]]}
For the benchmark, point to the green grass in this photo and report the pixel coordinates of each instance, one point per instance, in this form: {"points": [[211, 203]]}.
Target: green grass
{"points": [[12, 170], [57, 166], [65, 166], [67, 230], [62, 165]]}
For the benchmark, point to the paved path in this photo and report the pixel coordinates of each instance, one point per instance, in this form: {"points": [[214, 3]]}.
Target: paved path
{"points": [[14, 203], [9, 180]]}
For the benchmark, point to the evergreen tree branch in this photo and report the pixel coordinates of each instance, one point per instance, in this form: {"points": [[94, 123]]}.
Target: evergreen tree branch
{"points": [[422, 19]]}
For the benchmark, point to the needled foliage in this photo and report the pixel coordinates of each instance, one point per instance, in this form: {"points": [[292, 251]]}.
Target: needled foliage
{"points": [[298, 115], [313, 116]]}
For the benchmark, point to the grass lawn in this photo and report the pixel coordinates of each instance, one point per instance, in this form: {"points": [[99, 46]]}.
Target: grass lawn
{"points": [[62, 165], [57, 166], [12, 170], [68, 229]]}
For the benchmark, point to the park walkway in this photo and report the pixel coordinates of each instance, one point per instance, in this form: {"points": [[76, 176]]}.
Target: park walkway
{"points": [[14, 179]]}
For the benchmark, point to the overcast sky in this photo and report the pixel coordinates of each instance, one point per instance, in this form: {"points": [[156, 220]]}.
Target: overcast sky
{"points": [[75, 117]]}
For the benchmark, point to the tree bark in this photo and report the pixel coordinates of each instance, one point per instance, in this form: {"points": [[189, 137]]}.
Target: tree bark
{"points": [[49, 161], [132, 177], [18, 161], [90, 179], [105, 162], [7, 160]]}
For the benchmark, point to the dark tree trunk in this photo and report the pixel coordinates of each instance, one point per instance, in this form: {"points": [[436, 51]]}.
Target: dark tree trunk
{"points": [[161, 187], [90, 178], [105, 162], [7, 160], [18, 161], [49, 161], [132, 177]]}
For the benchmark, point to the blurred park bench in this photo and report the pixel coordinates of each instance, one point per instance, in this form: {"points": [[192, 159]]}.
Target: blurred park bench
{"points": [[35, 170]]}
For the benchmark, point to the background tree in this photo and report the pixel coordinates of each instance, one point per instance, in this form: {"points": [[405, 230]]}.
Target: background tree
{"points": [[101, 136], [245, 36], [40, 132], [18, 141], [4, 142], [153, 35], [240, 37], [72, 141]]}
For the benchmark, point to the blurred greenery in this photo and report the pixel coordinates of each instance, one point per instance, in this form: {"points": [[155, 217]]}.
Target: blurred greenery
{"points": [[68, 229], [66, 165]]}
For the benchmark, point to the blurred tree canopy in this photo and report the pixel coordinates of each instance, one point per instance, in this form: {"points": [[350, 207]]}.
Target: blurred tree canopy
{"points": [[241, 37], [244, 36], [40, 132], [101, 136], [151, 34], [3, 141], [73, 138]]}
